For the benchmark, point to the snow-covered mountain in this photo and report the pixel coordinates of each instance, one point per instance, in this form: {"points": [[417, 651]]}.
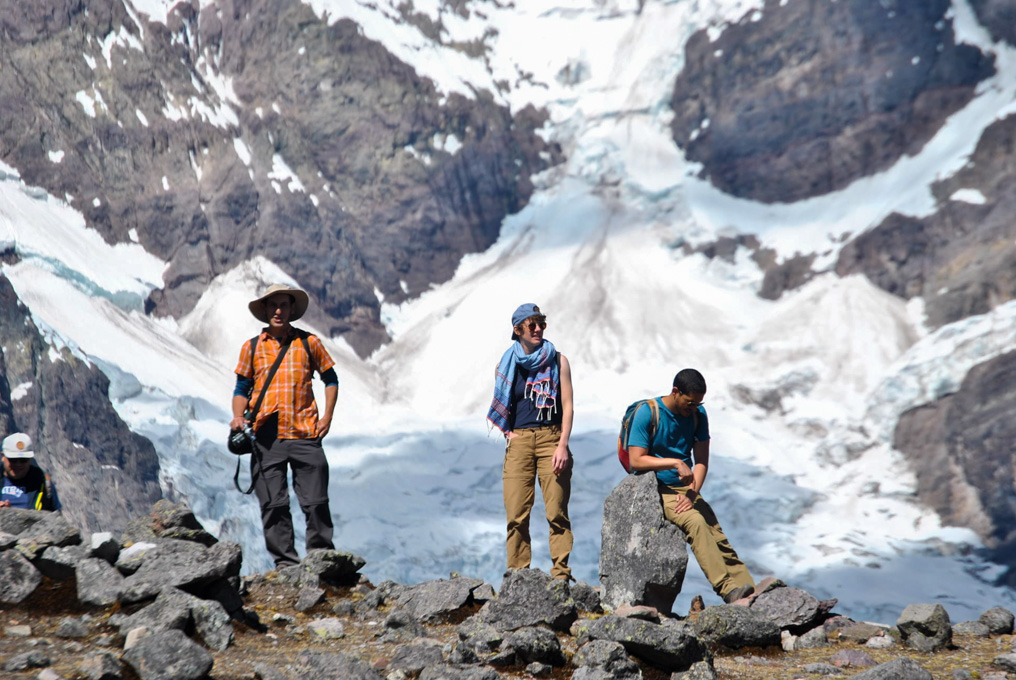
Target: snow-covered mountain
{"points": [[643, 266]]}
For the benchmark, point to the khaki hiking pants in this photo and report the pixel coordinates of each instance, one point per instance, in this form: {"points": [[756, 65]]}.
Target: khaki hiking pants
{"points": [[528, 458], [719, 562]]}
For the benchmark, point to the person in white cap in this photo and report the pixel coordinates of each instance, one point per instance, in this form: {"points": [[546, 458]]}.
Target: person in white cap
{"points": [[25, 485], [288, 427]]}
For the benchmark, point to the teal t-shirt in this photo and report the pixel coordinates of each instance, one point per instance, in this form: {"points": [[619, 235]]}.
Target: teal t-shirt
{"points": [[673, 439]]}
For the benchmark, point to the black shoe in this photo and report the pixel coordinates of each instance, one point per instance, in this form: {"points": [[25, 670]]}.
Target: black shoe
{"points": [[738, 593]]}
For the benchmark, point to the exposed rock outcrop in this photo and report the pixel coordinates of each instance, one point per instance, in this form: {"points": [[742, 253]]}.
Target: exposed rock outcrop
{"points": [[643, 556], [103, 472], [323, 153], [959, 259], [799, 99], [960, 448]]}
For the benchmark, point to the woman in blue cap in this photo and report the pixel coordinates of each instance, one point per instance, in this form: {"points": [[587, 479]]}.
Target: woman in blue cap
{"points": [[533, 408]]}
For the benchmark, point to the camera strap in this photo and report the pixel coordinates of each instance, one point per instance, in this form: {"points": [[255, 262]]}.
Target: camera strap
{"points": [[250, 416]]}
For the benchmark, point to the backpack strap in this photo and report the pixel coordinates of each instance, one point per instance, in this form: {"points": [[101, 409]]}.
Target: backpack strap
{"points": [[306, 347]]}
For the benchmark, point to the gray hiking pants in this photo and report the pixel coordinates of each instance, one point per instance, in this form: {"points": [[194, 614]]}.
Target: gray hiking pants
{"points": [[310, 481]]}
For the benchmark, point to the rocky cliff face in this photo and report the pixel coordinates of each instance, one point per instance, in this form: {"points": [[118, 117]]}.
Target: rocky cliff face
{"points": [[960, 258], [252, 127], [961, 450], [104, 473], [801, 98], [999, 17]]}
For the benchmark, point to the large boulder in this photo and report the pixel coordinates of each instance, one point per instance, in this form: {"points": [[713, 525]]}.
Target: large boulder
{"points": [[790, 608], [604, 660], [735, 626], [925, 627], [18, 578], [643, 556], [434, 599], [530, 597], [897, 669], [670, 646], [168, 655]]}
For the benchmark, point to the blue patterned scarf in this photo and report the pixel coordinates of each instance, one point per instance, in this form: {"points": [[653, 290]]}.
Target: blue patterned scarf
{"points": [[541, 386]]}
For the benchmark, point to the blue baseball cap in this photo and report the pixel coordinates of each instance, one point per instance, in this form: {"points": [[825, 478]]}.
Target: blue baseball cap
{"points": [[522, 313]]}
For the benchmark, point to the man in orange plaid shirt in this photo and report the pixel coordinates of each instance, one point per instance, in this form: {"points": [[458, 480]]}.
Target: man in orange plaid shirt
{"points": [[288, 429]]}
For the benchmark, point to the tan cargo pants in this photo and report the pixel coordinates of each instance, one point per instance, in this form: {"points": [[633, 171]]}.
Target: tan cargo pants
{"points": [[528, 458], [719, 562]]}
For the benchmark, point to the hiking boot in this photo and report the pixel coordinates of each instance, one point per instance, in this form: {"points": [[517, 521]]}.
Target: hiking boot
{"points": [[738, 594]]}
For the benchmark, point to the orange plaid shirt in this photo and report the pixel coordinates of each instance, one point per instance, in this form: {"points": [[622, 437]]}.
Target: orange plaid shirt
{"points": [[290, 394]]}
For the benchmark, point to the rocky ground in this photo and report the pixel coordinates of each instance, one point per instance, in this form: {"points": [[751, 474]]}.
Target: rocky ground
{"points": [[165, 602]]}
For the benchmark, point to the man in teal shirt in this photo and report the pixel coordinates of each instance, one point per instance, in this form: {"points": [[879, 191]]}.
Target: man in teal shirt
{"points": [[678, 452]]}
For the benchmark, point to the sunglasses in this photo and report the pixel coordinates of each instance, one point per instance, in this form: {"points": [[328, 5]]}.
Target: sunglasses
{"points": [[532, 325], [691, 402]]}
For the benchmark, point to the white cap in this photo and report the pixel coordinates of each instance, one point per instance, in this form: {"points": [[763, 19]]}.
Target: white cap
{"points": [[18, 445]]}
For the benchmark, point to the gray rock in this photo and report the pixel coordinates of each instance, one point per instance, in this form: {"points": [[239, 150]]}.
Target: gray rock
{"points": [[308, 598], [604, 659], [999, 620], [22, 662], [18, 578], [7, 541], [852, 658], [735, 626], [859, 632], [344, 608], [414, 658], [399, 626], [587, 598], [135, 636], [174, 609], [700, 670], [266, 672], [484, 593], [787, 607], [211, 622], [130, 559], [821, 669], [165, 613], [477, 641], [812, 639], [52, 530], [60, 564], [20, 630], [168, 655], [898, 669], [334, 667], [332, 566], [643, 556], [925, 627], [71, 627], [432, 600], [1005, 662], [961, 674], [184, 564], [880, 642], [535, 644], [668, 647], [975, 628], [529, 597], [451, 672], [15, 521], [327, 629], [104, 546], [101, 666], [98, 583]]}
